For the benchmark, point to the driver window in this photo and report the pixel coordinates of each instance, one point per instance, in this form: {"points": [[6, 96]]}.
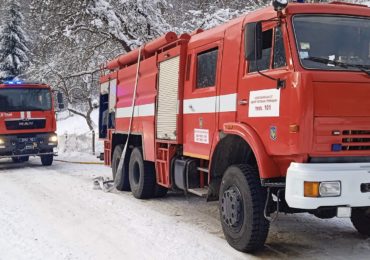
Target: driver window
{"points": [[264, 63], [279, 58]]}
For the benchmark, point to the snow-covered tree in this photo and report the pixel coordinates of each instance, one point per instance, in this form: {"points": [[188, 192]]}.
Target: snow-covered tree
{"points": [[75, 37], [14, 51], [129, 22], [209, 14]]}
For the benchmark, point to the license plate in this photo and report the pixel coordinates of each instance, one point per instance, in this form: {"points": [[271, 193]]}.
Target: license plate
{"points": [[27, 140]]}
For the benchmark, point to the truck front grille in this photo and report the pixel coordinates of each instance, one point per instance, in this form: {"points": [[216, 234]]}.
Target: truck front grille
{"points": [[355, 140], [25, 124]]}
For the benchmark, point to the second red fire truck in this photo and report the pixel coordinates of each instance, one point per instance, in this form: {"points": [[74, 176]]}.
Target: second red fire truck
{"points": [[27, 122], [267, 113]]}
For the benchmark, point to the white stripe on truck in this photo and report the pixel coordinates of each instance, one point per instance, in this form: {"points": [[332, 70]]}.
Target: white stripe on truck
{"points": [[140, 110], [214, 104]]}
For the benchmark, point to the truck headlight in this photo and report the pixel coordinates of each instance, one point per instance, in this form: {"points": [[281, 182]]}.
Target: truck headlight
{"points": [[2, 141], [53, 139], [330, 189], [322, 189]]}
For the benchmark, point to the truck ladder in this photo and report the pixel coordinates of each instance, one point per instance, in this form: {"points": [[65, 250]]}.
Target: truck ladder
{"points": [[165, 153]]}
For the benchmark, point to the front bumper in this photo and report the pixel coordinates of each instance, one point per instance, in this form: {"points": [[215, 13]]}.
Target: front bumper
{"points": [[351, 176], [26, 145]]}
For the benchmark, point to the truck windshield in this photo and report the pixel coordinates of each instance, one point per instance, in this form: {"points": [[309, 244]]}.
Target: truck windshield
{"points": [[333, 42], [24, 99]]}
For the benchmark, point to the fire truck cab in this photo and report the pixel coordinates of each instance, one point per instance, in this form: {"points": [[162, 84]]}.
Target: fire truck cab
{"points": [[27, 122], [267, 113]]}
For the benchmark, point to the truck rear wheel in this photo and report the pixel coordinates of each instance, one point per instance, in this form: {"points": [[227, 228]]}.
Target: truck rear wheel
{"points": [[141, 176], [241, 206], [361, 220], [47, 159], [124, 184]]}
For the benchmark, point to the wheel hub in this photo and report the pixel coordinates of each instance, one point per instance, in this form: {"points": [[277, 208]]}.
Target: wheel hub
{"points": [[231, 207]]}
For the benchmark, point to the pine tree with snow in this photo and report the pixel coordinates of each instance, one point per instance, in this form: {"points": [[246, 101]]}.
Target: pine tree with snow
{"points": [[14, 51], [129, 22]]}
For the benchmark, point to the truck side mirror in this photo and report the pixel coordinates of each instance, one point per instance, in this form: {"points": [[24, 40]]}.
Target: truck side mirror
{"points": [[253, 41], [60, 100]]}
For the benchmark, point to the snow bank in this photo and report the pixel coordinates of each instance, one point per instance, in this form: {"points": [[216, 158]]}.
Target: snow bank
{"points": [[75, 137], [74, 124]]}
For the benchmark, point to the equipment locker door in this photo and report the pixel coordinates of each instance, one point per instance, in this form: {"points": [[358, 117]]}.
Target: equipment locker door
{"points": [[200, 99], [167, 106]]}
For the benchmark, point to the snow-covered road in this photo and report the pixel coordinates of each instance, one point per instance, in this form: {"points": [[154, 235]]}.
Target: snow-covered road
{"points": [[54, 213]]}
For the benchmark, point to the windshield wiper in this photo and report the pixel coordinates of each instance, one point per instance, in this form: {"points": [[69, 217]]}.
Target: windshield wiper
{"points": [[363, 68]]}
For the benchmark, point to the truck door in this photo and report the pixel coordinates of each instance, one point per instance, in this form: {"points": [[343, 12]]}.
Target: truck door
{"points": [[259, 97], [108, 99], [200, 99]]}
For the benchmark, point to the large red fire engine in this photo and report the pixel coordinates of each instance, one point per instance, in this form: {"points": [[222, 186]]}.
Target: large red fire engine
{"points": [[27, 122], [267, 113]]}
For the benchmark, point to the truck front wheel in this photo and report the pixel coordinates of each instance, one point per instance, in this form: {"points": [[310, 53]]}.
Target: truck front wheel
{"points": [[47, 159], [16, 159], [241, 206], [141, 176], [20, 159], [361, 220]]}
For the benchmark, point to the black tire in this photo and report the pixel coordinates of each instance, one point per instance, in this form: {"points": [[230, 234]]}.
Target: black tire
{"points": [[47, 159], [20, 159], [124, 184], [141, 176], [241, 204], [160, 191], [16, 159], [25, 158], [361, 220]]}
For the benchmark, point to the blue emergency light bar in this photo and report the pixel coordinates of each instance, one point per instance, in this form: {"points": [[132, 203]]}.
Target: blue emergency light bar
{"points": [[12, 82]]}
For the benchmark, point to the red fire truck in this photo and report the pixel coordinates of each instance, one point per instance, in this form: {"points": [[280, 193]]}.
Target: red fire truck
{"points": [[267, 113], [27, 122]]}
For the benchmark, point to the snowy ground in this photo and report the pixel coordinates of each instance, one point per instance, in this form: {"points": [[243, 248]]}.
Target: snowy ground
{"points": [[54, 213]]}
